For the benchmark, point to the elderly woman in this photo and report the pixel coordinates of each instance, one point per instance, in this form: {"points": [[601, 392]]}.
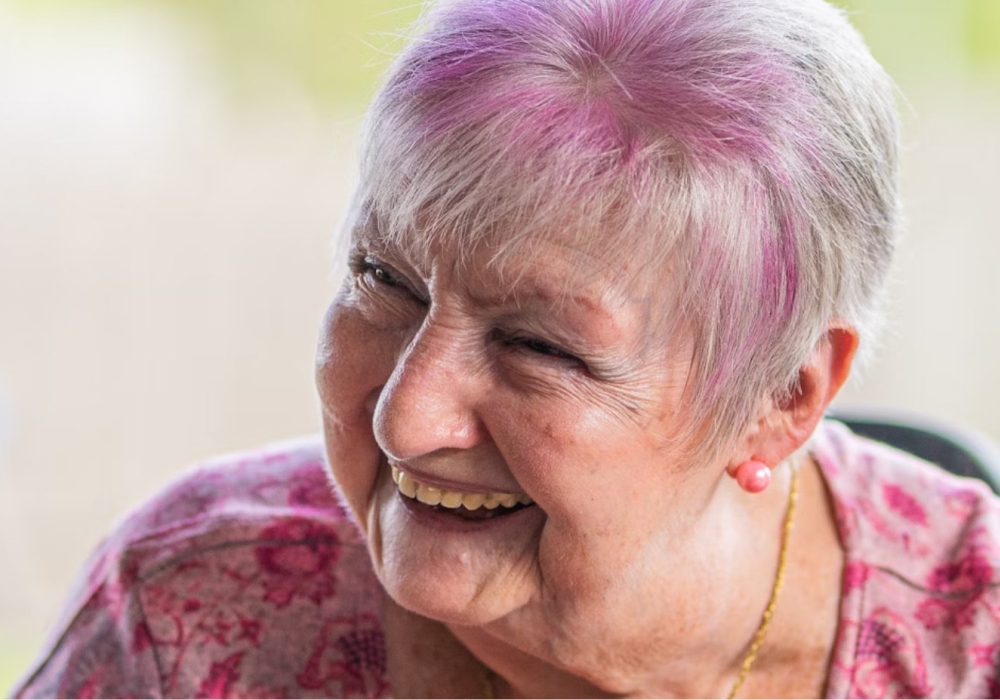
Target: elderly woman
{"points": [[610, 262]]}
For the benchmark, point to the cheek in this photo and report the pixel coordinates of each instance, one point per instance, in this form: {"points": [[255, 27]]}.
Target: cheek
{"points": [[598, 486], [353, 363], [569, 456], [597, 473]]}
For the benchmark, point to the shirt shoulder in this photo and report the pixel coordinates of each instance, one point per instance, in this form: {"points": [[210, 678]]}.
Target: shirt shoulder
{"points": [[921, 586], [243, 577]]}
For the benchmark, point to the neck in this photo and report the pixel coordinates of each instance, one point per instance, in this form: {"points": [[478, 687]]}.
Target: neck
{"points": [[717, 619], [707, 671]]}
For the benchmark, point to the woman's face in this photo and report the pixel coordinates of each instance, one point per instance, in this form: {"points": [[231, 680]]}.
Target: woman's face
{"points": [[543, 386]]}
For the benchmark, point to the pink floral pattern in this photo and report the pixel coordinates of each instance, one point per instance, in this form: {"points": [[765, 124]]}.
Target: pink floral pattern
{"points": [[246, 578], [298, 559], [889, 662], [899, 500], [920, 606]]}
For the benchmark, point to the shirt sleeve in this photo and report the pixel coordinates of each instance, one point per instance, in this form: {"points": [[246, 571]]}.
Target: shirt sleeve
{"points": [[100, 645]]}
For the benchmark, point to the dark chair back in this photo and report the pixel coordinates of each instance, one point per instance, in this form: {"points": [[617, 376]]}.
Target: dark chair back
{"points": [[959, 450]]}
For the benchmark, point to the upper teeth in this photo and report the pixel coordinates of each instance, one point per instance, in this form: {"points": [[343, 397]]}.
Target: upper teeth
{"points": [[408, 486]]}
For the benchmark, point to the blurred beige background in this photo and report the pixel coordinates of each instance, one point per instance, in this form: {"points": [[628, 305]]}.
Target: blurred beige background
{"points": [[172, 173]]}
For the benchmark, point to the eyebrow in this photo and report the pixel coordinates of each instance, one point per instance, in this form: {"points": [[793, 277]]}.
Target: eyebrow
{"points": [[528, 295]]}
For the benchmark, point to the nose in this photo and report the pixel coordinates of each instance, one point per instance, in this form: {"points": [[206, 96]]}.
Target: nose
{"points": [[429, 402]]}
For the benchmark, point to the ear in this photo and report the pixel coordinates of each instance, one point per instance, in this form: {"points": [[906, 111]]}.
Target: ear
{"points": [[786, 425]]}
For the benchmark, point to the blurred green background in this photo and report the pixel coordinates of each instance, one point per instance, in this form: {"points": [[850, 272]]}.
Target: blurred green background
{"points": [[259, 106], [336, 49]]}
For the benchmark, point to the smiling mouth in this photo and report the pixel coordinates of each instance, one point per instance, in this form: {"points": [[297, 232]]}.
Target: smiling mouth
{"points": [[477, 506]]}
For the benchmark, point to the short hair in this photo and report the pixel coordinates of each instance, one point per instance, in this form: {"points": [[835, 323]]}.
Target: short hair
{"points": [[748, 147]]}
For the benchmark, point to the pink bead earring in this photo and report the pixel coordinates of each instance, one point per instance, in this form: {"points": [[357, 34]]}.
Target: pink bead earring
{"points": [[753, 476]]}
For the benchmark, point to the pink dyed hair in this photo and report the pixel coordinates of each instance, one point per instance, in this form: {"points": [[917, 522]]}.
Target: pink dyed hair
{"points": [[749, 145]]}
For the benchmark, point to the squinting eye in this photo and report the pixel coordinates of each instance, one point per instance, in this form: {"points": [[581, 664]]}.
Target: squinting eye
{"points": [[369, 267], [383, 275], [543, 348], [539, 347], [377, 274]]}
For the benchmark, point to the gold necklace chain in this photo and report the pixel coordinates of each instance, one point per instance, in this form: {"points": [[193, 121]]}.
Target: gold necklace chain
{"points": [[779, 579], [765, 620]]}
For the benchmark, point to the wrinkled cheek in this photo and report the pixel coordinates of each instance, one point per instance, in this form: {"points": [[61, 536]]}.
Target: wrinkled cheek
{"points": [[562, 458], [351, 367], [580, 468]]}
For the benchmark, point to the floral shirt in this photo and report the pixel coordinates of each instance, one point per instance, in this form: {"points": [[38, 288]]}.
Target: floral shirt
{"points": [[246, 578]]}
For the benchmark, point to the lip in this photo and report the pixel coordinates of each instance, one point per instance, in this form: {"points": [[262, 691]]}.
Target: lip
{"points": [[447, 484], [445, 520]]}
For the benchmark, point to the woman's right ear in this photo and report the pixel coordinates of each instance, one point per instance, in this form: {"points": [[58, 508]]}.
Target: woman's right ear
{"points": [[785, 425]]}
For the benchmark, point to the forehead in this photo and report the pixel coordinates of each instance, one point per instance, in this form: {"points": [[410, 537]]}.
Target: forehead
{"points": [[552, 265], [564, 253]]}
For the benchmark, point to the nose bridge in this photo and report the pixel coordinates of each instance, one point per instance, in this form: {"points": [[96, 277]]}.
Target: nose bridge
{"points": [[427, 403]]}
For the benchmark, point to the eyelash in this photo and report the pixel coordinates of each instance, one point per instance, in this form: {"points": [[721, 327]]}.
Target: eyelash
{"points": [[363, 266], [537, 347]]}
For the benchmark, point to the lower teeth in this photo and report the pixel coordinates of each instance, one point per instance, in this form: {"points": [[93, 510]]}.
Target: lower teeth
{"points": [[481, 513]]}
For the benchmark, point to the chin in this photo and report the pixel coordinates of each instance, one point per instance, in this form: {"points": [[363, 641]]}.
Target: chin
{"points": [[450, 571], [443, 603]]}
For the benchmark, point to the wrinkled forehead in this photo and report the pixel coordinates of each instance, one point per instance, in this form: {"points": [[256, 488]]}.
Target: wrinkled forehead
{"points": [[551, 255]]}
